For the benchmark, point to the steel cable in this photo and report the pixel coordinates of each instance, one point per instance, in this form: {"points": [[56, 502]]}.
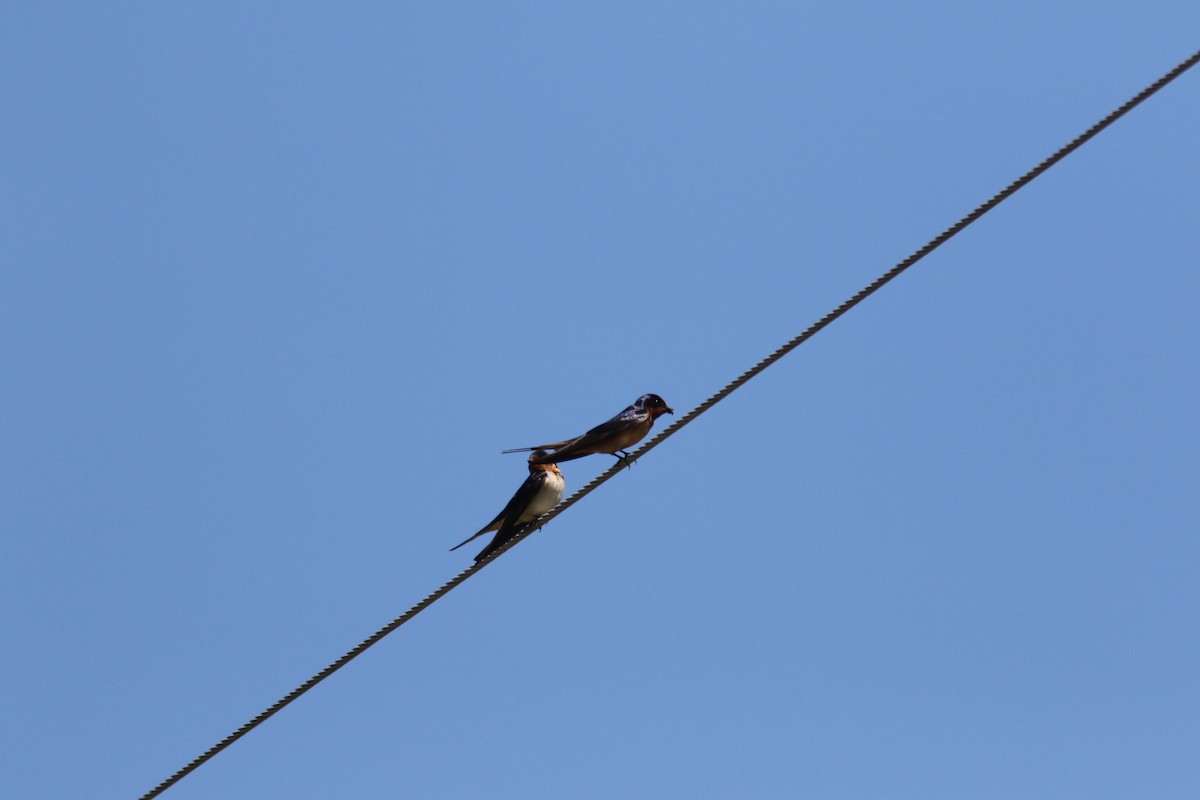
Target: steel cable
{"points": [[670, 430]]}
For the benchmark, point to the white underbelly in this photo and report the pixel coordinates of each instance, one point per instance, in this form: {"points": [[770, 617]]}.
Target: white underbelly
{"points": [[547, 497]]}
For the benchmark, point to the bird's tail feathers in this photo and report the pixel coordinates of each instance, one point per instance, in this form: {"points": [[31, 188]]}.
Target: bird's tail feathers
{"points": [[551, 446], [494, 545], [464, 541], [556, 458]]}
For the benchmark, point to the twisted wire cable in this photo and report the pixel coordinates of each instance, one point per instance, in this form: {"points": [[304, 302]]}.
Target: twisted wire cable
{"points": [[670, 430]]}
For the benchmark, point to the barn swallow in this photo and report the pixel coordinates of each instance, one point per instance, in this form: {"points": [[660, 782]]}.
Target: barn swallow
{"points": [[624, 430], [540, 492]]}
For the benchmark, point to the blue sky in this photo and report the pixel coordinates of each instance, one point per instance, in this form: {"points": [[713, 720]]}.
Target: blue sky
{"points": [[281, 280]]}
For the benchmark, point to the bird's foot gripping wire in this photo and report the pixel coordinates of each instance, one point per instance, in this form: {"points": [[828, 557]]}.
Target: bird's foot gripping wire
{"points": [[624, 459]]}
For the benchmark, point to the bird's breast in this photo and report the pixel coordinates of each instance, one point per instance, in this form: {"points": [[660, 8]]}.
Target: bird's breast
{"points": [[547, 497]]}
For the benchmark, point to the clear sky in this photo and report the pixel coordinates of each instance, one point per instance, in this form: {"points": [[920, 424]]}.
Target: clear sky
{"points": [[279, 281]]}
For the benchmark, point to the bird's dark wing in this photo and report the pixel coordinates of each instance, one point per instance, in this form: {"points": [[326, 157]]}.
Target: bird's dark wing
{"points": [[518, 503], [603, 429], [512, 513], [619, 422]]}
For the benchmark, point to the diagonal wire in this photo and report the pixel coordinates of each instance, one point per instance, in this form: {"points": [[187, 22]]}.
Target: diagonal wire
{"points": [[670, 430]]}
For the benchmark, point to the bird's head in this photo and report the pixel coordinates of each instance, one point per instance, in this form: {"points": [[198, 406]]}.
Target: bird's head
{"points": [[534, 466], [654, 404]]}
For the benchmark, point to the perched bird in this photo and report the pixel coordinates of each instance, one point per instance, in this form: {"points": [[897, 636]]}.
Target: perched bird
{"points": [[624, 430], [540, 492]]}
